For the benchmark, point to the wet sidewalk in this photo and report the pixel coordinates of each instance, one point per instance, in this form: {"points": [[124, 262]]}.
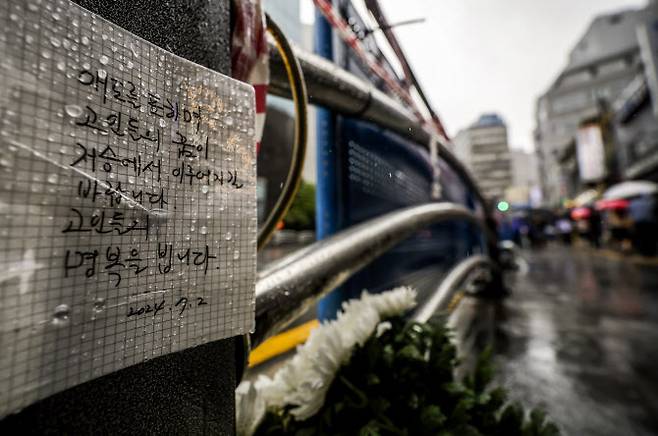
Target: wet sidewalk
{"points": [[579, 338]]}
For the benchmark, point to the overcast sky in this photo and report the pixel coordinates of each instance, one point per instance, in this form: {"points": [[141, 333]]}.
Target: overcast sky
{"points": [[475, 56]]}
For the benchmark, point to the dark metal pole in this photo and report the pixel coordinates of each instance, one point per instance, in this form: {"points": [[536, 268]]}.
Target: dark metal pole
{"points": [[189, 392]]}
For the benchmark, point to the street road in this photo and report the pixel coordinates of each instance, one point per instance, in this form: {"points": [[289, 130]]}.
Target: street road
{"points": [[579, 337]]}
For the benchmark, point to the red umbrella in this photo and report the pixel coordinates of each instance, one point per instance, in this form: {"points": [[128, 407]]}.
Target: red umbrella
{"points": [[618, 203], [581, 213]]}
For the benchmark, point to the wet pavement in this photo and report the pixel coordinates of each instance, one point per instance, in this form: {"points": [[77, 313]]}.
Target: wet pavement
{"points": [[579, 338]]}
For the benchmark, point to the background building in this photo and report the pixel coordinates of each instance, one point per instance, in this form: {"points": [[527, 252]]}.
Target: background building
{"points": [[602, 64], [525, 189], [636, 113], [483, 148]]}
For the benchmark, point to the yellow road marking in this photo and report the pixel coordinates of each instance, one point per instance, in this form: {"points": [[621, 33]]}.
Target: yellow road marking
{"points": [[281, 343]]}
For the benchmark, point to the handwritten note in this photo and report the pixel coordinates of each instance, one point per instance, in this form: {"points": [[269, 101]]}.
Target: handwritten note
{"points": [[127, 201]]}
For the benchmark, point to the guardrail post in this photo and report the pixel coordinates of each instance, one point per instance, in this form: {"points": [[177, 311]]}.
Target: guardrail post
{"points": [[327, 188]]}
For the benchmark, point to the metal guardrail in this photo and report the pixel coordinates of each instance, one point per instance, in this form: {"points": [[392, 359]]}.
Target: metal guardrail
{"points": [[442, 297], [330, 86], [291, 286]]}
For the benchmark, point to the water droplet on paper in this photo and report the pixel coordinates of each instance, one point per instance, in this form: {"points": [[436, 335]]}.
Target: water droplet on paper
{"points": [[203, 230], [228, 121], [52, 178], [102, 74], [55, 42], [61, 65], [73, 110], [236, 255], [205, 189], [228, 236], [162, 122], [99, 304], [61, 315], [84, 40], [134, 49], [4, 162], [103, 60]]}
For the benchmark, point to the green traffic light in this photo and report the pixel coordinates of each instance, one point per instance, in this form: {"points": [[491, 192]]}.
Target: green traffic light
{"points": [[503, 206]]}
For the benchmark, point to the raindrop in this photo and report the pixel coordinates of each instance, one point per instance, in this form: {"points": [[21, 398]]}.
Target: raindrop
{"points": [[61, 315], [55, 42], [203, 230], [205, 189], [73, 110], [104, 60], [102, 74], [56, 16], [99, 304], [134, 49], [61, 65], [46, 54], [84, 40], [52, 178]]}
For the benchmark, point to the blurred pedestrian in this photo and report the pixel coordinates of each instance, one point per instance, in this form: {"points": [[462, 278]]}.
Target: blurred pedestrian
{"points": [[620, 224], [595, 228], [565, 229], [642, 211]]}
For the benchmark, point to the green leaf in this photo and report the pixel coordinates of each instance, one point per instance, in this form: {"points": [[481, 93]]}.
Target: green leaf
{"points": [[402, 383]]}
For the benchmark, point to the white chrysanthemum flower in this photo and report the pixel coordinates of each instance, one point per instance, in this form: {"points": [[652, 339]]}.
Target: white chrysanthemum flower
{"points": [[249, 407], [304, 380], [382, 328]]}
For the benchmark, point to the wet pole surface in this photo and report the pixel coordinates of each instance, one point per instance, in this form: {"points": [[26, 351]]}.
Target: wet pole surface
{"points": [[579, 338]]}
